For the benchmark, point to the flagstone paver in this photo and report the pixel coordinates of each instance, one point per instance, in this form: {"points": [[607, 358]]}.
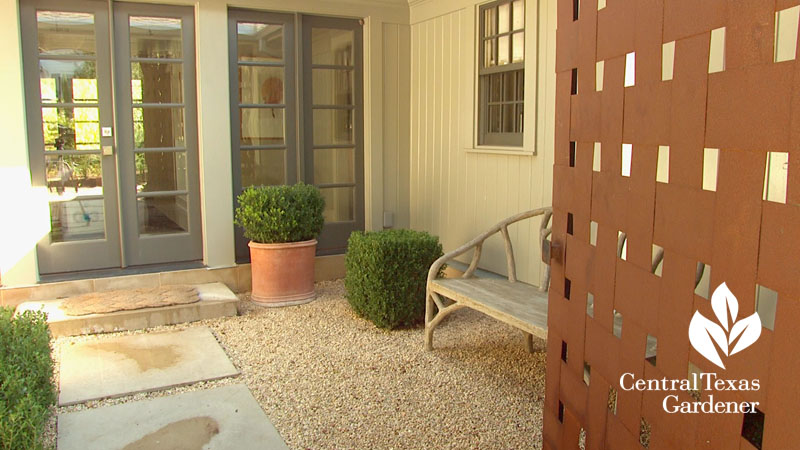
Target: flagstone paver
{"points": [[221, 418], [138, 363]]}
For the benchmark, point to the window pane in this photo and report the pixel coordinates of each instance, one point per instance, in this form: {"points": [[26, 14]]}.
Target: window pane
{"points": [[334, 165], [509, 118], [520, 85], [261, 85], [509, 86], [518, 47], [333, 126], [163, 215], [259, 42], [339, 204], [158, 127], [518, 14], [155, 37], [502, 50], [63, 33], [157, 82], [489, 22], [494, 119], [73, 176], [331, 46], [262, 126], [160, 171], [263, 167], [504, 17], [332, 87], [519, 118], [67, 81], [71, 128], [489, 56], [496, 87]]}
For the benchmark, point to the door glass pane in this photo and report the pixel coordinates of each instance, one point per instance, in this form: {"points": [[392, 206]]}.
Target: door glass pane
{"points": [[339, 204], [74, 183], [71, 128], [155, 37], [70, 176], [331, 46], [332, 87], [157, 82], [65, 33], [259, 42], [162, 215], [262, 126], [260, 85], [67, 81], [160, 171], [333, 126], [77, 220], [158, 127], [263, 167], [334, 165]]}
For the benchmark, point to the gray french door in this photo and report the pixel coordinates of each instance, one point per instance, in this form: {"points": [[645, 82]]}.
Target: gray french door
{"points": [[119, 165], [297, 112]]}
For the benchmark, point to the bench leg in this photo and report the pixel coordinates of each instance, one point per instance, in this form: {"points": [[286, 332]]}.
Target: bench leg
{"points": [[529, 342], [432, 321]]}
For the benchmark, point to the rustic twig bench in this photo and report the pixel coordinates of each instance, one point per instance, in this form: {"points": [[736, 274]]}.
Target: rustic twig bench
{"points": [[509, 301]]}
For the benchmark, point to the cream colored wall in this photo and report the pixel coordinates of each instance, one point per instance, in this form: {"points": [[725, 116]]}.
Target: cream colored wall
{"points": [[458, 189], [386, 45]]}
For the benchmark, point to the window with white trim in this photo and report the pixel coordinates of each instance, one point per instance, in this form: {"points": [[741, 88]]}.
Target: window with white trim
{"points": [[501, 73]]}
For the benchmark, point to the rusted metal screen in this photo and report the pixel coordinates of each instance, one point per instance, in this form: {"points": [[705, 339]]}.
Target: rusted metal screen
{"points": [[691, 145]]}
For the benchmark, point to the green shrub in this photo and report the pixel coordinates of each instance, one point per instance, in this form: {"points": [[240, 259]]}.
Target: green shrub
{"points": [[386, 275], [273, 214], [26, 379]]}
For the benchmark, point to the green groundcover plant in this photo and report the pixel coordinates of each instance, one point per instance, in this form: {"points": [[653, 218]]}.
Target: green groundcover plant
{"points": [[386, 275], [275, 214], [26, 379]]}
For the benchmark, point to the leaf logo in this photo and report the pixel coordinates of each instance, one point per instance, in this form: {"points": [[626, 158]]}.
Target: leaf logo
{"points": [[703, 333]]}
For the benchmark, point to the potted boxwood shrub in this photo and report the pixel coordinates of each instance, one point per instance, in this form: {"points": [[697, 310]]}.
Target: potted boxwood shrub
{"points": [[282, 223]]}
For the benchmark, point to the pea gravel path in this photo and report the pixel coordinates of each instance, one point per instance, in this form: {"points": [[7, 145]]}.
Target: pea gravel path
{"points": [[329, 379]]}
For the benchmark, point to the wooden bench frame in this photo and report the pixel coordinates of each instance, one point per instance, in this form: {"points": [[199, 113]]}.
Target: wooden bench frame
{"points": [[437, 294]]}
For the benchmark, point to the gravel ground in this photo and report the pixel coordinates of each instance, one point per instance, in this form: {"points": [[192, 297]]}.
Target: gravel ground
{"points": [[329, 379]]}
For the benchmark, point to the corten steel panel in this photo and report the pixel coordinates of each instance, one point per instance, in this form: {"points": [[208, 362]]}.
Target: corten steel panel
{"points": [[750, 108]]}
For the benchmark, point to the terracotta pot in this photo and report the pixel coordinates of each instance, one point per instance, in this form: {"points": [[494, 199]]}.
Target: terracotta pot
{"points": [[283, 274]]}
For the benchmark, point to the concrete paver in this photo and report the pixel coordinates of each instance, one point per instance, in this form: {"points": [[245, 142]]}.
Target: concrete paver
{"points": [[125, 365], [227, 417]]}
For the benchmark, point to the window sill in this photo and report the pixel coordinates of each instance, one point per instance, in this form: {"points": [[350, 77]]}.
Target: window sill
{"points": [[515, 151]]}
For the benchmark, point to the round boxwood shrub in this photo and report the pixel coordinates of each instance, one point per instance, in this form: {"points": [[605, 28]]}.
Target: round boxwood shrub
{"points": [[276, 214], [386, 275], [27, 390]]}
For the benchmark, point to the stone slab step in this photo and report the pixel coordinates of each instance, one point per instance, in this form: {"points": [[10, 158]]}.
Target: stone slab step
{"points": [[216, 300]]}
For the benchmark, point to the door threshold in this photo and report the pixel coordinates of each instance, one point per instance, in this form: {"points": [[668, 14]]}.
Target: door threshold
{"points": [[107, 273]]}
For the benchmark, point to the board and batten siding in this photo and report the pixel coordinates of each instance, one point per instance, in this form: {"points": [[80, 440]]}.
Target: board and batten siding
{"points": [[457, 189]]}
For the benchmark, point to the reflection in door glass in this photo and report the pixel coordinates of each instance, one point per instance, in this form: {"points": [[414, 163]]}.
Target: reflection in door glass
{"points": [[339, 204], [155, 37], [332, 87], [263, 167], [66, 81], [71, 128], [259, 42], [162, 215], [333, 126], [261, 85], [65, 33], [160, 171], [158, 127], [334, 165], [261, 126], [75, 190], [330, 46], [156, 82]]}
